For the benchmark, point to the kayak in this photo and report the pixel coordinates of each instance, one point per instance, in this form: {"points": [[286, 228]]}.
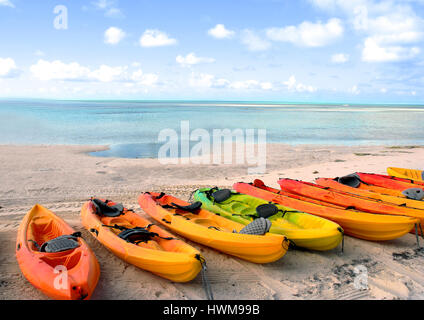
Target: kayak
{"points": [[406, 173], [416, 182], [209, 229], [358, 224], [401, 201], [54, 258], [139, 242], [302, 229], [352, 201], [388, 182]]}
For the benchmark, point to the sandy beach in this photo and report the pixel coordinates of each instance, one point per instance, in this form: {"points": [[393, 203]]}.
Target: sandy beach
{"points": [[62, 178]]}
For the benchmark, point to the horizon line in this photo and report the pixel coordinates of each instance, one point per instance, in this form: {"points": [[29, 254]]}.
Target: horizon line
{"points": [[220, 100]]}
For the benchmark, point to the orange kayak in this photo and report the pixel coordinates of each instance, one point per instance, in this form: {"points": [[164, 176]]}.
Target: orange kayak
{"points": [[386, 191], [54, 258], [139, 242], [363, 225], [388, 181], [347, 200], [342, 188]]}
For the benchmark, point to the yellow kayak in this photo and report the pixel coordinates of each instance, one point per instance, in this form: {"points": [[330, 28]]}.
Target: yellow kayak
{"points": [[212, 230], [139, 242], [406, 173]]}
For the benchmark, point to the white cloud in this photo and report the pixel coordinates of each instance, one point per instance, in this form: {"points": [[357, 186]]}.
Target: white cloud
{"points": [[156, 38], [253, 41], [192, 59], [391, 34], [354, 90], [39, 53], [391, 29], [204, 80], [114, 13], [374, 51], [8, 68], [340, 58], [293, 85], [383, 90], [114, 35], [251, 85], [108, 74], [266, 85], [103, 4], [57, 70], [109, 8], [147, 79], [308, 34], [220, 32], [6, 3]]}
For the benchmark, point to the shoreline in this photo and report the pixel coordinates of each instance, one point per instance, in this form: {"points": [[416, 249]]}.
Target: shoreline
{"points": [[90, 149], [62, 178]]}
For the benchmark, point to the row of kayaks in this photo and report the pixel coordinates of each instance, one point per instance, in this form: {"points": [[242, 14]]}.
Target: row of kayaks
{"points": [[252, 221]]}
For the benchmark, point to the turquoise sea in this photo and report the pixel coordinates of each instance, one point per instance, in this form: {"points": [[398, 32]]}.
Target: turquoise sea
{"points": [[131, 128]]}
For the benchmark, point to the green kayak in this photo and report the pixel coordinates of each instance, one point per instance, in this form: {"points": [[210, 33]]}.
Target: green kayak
{"points": [[302, 229]]}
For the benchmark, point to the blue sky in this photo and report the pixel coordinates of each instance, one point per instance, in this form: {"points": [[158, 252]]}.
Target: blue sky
{"points": [[280, 50]]}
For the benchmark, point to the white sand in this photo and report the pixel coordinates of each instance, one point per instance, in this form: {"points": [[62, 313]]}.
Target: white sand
{"points": [[63, 177]]}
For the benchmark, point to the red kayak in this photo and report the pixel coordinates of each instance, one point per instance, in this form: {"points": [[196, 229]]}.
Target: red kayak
{"points": [[388, 181], [416, 182], [348, 200]]}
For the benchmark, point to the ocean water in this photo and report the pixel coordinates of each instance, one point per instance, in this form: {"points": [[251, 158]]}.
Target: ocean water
{"points": [[131, 128]]}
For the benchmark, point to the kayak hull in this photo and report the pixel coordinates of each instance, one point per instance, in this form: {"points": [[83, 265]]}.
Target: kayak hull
{"points": [[406, 173], [67, 275]]}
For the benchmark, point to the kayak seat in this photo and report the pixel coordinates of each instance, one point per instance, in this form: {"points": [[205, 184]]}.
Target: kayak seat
{"points": [[62, 243], [414, 193], [352, 180], [257, 227], [221, 195], [136, 235], [102, 208], [266, 210], [190, 208]]}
